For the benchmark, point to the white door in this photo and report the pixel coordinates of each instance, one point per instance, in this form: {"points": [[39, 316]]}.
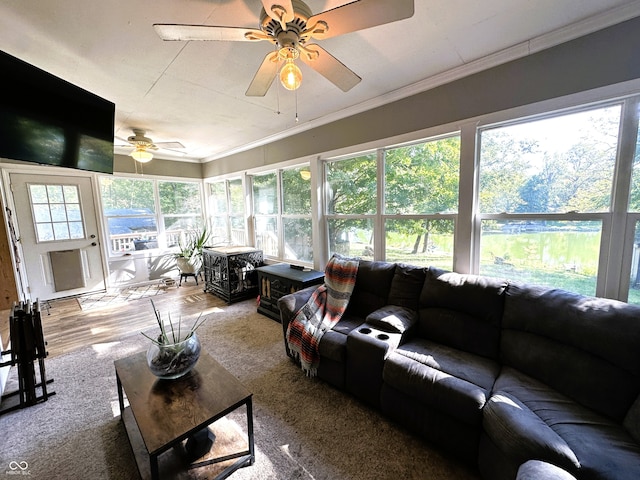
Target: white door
{"points": [[59, 235]]}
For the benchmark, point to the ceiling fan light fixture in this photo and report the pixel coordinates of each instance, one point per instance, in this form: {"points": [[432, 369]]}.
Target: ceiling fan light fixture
{"points": [[290, 75], [141, 154]]}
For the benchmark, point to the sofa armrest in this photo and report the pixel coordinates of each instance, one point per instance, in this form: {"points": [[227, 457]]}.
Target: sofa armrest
{"points": [[393, 319]]}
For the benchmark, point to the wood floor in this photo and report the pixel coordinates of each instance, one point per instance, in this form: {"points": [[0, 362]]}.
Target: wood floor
{"points": [[67, 327]]}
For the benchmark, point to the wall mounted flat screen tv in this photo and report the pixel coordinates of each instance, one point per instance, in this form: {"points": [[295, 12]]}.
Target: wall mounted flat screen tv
{"points": [[47, 120]]}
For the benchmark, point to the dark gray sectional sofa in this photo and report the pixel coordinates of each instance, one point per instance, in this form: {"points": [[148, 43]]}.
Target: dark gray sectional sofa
{"points": [[518, 380]]}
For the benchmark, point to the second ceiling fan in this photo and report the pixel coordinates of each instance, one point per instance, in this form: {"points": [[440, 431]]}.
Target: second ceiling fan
{"points": [[290, 26]]}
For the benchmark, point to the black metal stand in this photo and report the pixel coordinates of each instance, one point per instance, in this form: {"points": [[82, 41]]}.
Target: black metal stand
{"points": [[27, 348]]}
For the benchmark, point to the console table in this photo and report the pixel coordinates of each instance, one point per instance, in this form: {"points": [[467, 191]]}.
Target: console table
{"points": [[280, 279], [229, 272]]}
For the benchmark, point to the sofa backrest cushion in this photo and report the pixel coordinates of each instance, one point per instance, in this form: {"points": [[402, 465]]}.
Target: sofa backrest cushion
{"points": [[584, 347], [373, 283], [462, 311], [406, 286]]}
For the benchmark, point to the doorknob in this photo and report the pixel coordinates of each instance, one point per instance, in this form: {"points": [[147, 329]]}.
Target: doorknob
{"points": [[93, 244]]}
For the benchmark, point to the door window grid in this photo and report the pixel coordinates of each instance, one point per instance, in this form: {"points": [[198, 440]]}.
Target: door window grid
{"points": [[57, 214]]}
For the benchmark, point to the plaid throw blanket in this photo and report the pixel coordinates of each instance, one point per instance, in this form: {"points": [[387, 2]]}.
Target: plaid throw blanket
{"points": [[321, 312]]}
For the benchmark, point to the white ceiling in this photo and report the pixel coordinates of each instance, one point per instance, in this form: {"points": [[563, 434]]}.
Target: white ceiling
{"points": [[193, 92]]}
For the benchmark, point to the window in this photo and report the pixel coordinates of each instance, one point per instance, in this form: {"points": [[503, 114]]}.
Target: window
{"points": [[545, 191], [282, 214], [265, 209], [226, 206], [56, 212], [296, 214], [421, 200], [143, 214], [351, 205], [181, 209]]}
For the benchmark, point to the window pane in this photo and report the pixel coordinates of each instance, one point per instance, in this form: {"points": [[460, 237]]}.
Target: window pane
{"points": [[179, 197], [126, 233], [554, 165], [353, 238], [267, 235], [297, 239], [351, 186], [296, 192], [218, 230], [236, 197], [423, 178], [634, 283], [559, 254], [218, 198], [427, 242], [238, 233], [127, 196], [634, 198], [265, 200]]}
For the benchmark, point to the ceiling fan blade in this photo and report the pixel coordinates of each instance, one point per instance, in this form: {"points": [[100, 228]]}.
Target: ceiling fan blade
{"points": [[360, 15], [208, 32], [264, 76], [281, 11], [329, 67], [169, 145]]}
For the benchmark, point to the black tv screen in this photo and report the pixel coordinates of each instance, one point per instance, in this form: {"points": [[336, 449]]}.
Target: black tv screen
{"points": [[47, 120]]}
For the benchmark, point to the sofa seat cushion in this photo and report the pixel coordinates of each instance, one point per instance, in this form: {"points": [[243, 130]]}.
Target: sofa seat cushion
{"points": [[444, 378], [527, 419], [333, 343]]}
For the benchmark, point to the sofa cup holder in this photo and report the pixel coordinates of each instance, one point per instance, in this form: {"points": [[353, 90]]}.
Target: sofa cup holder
{"points": [[380, 336]]}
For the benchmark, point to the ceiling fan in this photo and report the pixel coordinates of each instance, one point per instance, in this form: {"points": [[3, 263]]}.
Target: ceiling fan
{"points": [[290, 26], [143, 146]]}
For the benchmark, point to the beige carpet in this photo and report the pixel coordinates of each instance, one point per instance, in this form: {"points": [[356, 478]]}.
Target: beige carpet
{"points": [[304, 429]]}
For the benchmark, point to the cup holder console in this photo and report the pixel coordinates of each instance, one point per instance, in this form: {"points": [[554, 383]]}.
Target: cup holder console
{"points": [[368, 331]]}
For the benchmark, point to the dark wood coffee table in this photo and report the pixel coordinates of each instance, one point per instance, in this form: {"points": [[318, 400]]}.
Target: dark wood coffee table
{"points": [[162, 414]]}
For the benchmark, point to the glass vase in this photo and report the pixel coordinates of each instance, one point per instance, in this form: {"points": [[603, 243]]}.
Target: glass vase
{"points": [[173, 360]]}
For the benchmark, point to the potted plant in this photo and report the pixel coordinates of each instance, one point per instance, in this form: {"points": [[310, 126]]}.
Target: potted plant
{"points": [[189, 258], [175, 351]]}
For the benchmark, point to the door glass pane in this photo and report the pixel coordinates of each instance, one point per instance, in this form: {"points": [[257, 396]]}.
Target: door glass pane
{"points": [[558, 254], [217, 198], [426, 242], [352, 238], [553, 165], [54, 207]]}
